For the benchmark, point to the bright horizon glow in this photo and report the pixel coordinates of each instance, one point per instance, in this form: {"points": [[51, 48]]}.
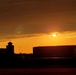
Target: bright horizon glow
{"points": [[25, 44]]}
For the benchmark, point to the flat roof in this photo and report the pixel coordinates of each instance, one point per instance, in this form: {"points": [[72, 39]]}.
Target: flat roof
{"points": [[56, 46]]}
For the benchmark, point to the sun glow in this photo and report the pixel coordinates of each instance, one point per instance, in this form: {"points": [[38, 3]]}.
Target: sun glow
{"points": [[54, 34]]}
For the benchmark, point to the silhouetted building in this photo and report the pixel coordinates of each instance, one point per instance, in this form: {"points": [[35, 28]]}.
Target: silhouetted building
{"points": [[3, 51], [9, 50], [55, 51]]}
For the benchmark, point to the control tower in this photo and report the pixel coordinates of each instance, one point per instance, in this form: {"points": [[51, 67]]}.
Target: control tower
{"points": [[10, 48]]}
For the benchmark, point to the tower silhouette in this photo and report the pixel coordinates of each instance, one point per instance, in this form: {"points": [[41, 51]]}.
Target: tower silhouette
{"points": [[10, 48]]}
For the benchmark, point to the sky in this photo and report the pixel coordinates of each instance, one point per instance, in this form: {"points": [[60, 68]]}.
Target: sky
{"points": [[30, 23]]}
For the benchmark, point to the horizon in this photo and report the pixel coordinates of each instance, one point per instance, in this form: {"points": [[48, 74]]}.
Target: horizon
{"points": [[38, 47]]}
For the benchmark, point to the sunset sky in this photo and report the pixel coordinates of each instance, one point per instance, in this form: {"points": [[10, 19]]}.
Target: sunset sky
{"points": [[30, 23]]}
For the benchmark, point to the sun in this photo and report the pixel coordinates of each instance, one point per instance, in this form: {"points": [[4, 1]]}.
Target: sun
{"points": [[54, 34]]}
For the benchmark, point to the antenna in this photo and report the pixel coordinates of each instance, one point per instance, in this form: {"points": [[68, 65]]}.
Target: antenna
{"points": [[19, 50]]}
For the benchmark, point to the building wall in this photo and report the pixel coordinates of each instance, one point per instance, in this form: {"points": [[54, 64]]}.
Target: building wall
{"points": [[54, 51], [10, 49]]}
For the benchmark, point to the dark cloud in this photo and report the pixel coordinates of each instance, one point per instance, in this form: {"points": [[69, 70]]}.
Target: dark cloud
{"points": [[37, 16], [12, 37]]}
